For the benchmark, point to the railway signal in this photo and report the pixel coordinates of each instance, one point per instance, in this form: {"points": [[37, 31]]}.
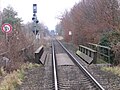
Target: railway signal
{"points": [[35, 20], [34, 8], [35, 32]]}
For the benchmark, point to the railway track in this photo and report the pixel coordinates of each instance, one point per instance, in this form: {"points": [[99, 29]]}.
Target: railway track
{"points": [[70, 76]]}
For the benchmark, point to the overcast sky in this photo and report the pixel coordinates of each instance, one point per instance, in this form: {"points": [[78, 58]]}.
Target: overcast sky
{"points": [[47, 10]]}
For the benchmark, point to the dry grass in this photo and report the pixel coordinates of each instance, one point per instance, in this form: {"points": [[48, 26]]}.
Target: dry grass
{"points": [[115, 70], [2, 71], [29, 65], [15, 78], [11, 80]]}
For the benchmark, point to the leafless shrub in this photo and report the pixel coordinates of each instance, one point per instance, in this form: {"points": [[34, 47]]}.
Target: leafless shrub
{"points": [[116, 49]]}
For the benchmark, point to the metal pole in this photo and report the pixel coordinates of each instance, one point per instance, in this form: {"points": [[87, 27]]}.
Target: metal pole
{"points": [[6, 38], [35, 29], [35, 18]]}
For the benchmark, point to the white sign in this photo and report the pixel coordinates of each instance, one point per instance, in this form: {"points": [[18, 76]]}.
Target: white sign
{"points": [[6, 28], [38, 36], [70, 33]]}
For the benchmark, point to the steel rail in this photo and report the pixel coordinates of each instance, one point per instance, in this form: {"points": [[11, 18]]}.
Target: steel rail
{"points": [[54, 68], [83, 69]]}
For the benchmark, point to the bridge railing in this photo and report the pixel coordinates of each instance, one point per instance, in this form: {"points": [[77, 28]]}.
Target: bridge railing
{"points": [[88, 54], [103, 52]]}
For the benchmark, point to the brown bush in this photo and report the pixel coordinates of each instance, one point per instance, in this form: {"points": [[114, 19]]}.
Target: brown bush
{"points": [[116, 49]]}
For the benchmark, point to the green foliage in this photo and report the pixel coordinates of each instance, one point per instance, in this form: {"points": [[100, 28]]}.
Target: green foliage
{"points": [[100, 61], [110, 38], [9, 16], [10, 20], [104, 41]]}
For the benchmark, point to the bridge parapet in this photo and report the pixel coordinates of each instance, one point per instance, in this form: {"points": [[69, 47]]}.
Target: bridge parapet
{"points": [[87, 54], [103, 52]]}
